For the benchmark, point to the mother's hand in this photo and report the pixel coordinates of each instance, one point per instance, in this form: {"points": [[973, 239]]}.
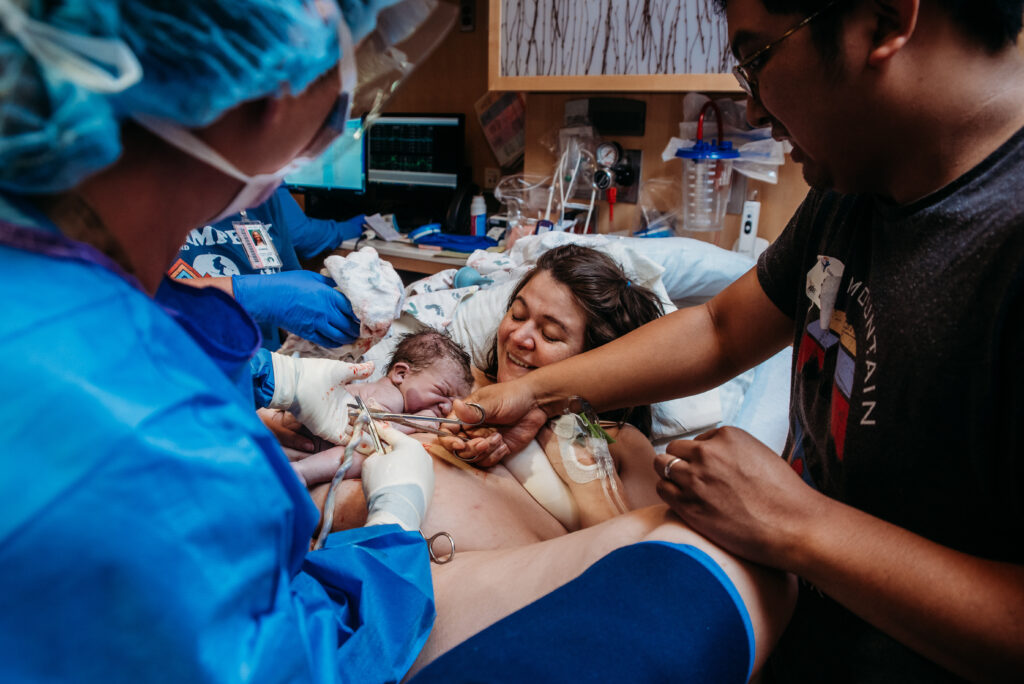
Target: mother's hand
{"points": [[512, 409], [480, 446]]}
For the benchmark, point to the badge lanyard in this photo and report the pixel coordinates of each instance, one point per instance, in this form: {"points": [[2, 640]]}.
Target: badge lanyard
{"points": [[256, 242]]}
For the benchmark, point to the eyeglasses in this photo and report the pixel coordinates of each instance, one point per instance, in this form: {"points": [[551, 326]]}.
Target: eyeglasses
{"points": [[747, 70]]}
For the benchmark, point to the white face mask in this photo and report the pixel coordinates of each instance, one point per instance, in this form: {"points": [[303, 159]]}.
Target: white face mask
{"points": [[257, 189]]}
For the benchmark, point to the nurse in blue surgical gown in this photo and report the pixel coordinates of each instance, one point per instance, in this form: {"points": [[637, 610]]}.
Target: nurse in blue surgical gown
{"points": [[152, 528]]}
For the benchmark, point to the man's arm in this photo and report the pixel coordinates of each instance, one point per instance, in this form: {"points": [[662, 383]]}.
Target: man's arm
{"points": [[683, 353], [963, 612], [686, 352]]}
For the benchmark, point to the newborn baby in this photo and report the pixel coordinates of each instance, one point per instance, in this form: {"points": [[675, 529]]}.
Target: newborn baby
{"points": [[427, 371]]}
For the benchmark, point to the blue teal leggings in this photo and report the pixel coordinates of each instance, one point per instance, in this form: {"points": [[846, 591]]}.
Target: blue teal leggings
{"points": [[650, 612]]}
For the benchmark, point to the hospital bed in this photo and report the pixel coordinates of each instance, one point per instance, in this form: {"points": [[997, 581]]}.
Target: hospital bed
{"points": [[682, 271]]}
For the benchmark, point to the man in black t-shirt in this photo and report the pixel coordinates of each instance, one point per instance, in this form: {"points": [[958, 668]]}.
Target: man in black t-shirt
{"points": [[900, 283]]}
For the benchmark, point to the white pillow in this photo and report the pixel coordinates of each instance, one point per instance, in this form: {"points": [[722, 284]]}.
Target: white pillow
{"points": [[476, 320], [694, 270]]}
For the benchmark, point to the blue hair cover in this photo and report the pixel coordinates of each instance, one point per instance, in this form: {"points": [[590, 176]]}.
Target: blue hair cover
{"points": [[199, 58]]}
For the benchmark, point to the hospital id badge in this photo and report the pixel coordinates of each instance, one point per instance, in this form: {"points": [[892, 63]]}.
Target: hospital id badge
{"points": [[256, 243]]}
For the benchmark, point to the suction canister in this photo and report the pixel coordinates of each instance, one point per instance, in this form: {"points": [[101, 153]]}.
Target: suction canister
{"points": [[707, 177]]}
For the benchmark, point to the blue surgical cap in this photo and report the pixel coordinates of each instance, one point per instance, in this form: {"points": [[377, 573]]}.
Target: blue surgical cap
{"points": [[199, 58]]}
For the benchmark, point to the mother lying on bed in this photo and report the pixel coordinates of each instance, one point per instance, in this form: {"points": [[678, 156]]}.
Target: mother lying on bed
{"points": [[575, 299], [515, 542]]}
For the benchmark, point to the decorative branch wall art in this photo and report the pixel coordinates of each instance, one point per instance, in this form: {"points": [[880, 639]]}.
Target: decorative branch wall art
{"points": [[612, 37]]}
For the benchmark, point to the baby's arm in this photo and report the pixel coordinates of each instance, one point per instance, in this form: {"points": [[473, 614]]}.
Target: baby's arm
{"points": [[320, 467]]}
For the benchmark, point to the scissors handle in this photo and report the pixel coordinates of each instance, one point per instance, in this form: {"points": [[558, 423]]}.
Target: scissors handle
{"points": [[371, 426]]}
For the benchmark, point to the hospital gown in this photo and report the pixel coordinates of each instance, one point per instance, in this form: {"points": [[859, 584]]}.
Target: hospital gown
{"points": [[152, 528]]}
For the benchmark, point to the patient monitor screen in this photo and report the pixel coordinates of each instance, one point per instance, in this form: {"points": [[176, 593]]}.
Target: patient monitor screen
{"points": [[341, 167], [416, 149]]}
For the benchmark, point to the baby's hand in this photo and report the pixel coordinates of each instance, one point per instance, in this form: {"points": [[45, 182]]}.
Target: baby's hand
{"points": [[288, 430], [474, 445]]}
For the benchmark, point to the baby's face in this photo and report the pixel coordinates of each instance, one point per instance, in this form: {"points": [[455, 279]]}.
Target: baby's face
{"points": [[432, 389]]}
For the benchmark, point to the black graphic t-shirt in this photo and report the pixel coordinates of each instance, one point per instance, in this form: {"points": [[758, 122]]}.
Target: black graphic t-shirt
{"points": [[906, 384]]}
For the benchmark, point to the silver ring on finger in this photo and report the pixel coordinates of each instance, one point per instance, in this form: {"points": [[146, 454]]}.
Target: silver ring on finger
{"points": [[668, 467]]}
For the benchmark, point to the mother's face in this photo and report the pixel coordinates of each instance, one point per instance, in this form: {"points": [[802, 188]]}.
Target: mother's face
{"points": [[543, 325]]}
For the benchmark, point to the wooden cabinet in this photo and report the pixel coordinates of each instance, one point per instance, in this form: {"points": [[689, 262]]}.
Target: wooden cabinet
{"points": [[608, 45]]}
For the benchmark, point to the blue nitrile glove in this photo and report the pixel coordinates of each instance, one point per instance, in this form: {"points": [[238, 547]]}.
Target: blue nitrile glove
{"points": [[301, 302]]}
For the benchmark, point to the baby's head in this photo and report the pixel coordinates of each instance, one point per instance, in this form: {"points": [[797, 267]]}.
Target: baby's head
{"points": [[430, 369]]}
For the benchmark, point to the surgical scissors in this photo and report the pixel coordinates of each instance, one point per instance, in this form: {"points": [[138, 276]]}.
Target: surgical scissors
{"points": [[411, 420]]}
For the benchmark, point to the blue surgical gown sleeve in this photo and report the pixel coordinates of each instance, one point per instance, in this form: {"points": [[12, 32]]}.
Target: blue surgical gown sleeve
{"points": [[311, 236], [262, 368], [152, 528]]}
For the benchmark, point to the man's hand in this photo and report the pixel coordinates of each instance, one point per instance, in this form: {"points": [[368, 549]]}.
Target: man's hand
{"points": [[737, 492], [509, 406]]}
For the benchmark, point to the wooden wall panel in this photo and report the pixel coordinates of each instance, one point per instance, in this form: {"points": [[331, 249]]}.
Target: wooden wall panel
{"points": [[455, 76]]}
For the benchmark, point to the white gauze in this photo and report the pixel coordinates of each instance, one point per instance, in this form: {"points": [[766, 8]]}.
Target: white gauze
{"points": [[572, 436], [374, 289]]}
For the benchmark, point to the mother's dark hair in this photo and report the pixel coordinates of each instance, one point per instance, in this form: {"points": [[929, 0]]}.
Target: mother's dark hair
{"points": [[612, 306]]}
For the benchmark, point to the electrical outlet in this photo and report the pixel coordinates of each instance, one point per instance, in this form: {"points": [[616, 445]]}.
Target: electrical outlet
{"points": [[748, 228], [491, 178]]}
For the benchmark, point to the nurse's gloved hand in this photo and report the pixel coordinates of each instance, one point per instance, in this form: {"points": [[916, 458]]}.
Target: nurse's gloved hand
{"points": [[398, 485], [301, 302], [313, 391]]}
